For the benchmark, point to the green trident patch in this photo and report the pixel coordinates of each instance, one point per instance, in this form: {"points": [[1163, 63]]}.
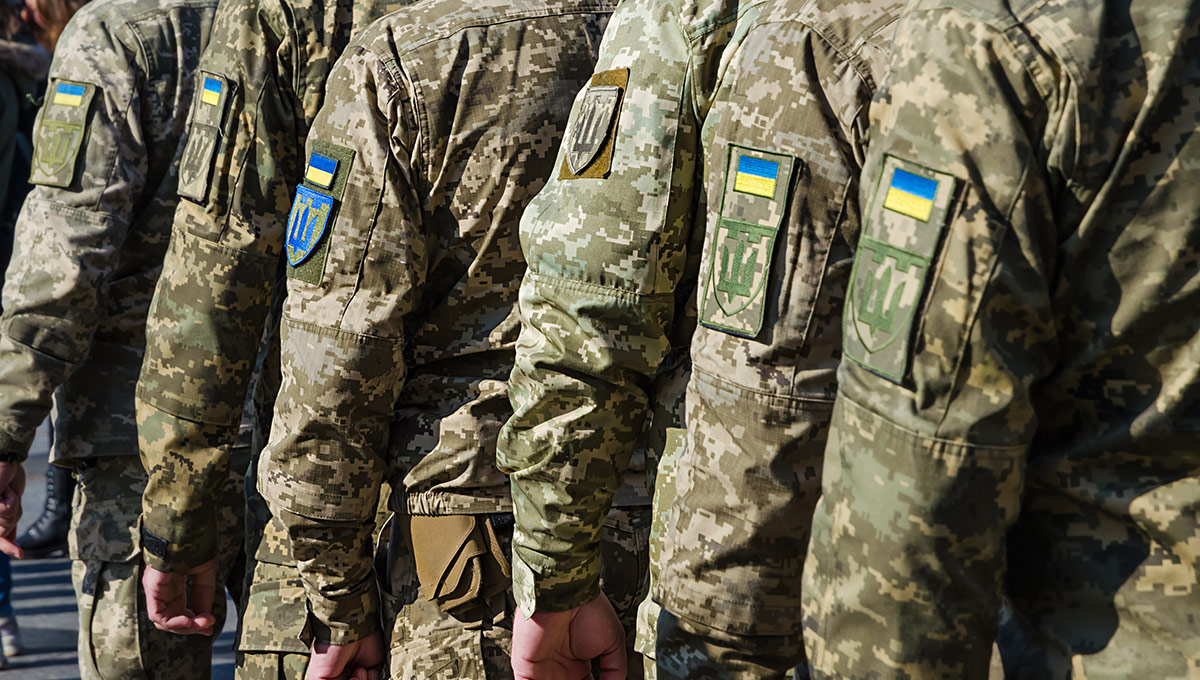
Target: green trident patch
{"points": [[895, 253], [885, 293], [60, 132], [740, 249], [746, 251], [59, 141]]}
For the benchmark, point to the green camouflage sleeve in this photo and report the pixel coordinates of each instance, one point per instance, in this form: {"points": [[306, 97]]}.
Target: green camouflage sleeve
{"points": [[606, 247], [220, 273], [947, 327], [349, 290], [90, 168]]}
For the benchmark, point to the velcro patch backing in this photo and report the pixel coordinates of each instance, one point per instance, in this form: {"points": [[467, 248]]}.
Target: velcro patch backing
{"points": [[61, 130], [908, 213], [741, 247], [588, 146]]}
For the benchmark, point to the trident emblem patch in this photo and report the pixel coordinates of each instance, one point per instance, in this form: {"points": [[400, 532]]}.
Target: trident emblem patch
{"points": [[896, 252], [306, 224], [740, 249], [60, 132], [57, 144]]}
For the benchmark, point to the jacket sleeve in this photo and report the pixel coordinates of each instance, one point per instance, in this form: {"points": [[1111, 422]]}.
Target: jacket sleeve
{"points": [[241, 155], [68, 237], [597, 307], [343, 364], [947, 327]]}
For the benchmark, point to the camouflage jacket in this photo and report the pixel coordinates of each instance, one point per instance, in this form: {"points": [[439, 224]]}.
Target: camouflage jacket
{"points": [[399, 325], [265, 75], [715, 90], [92, 233], [1020, 389]]}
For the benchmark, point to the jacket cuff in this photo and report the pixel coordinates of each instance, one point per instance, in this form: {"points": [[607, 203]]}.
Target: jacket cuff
{"points": [[175, 556], [342, 619], [546, 584], [18, 445], [187, 466]]}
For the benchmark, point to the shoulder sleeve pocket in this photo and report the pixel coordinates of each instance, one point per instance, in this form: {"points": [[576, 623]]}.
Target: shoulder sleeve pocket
{"points": [[61, 131], [209, 110], [897, 255]]}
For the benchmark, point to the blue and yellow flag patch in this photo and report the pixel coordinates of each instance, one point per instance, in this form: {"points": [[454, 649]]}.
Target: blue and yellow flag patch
{"points": [[66, 94], [211, 94], [321, 170], [306, 223], [756, 176], [911, 195]]}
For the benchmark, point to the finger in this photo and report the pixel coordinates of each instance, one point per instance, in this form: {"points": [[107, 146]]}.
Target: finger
{"points": [[180, 624], [11, 549], [10, 507], [160, 596], [613, 665]]}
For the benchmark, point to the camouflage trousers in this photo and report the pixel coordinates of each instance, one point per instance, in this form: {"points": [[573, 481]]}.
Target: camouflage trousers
{"points": [[428, 644], [274, 610], [116, 640]]}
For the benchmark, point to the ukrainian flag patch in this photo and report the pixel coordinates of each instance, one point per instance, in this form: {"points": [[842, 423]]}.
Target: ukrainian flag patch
{"points": [[321, 170], [67, 94], [211, 94], [756, 176], [911, 194]]}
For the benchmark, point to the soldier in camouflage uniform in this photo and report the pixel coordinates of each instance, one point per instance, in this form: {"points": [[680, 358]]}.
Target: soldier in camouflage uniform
{"points": [[1020, 389], [268, 64], [90, 244], [737, 144], [441, 123]]}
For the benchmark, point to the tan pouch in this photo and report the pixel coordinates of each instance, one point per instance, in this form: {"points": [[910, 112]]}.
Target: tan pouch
{"points": [[461, 566]]}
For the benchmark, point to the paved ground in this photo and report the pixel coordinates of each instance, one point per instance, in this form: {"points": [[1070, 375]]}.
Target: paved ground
{"points": [[45, 602]]}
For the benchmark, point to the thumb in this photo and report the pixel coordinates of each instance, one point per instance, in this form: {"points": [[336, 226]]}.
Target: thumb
{"points": [[363, 673], [326, 663]]}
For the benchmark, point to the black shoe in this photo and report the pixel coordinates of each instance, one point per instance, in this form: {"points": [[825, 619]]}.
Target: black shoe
{"points": [[48, 535]]}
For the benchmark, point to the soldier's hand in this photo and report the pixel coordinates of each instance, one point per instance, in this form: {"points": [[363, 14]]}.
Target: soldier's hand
{"points": [[356, 661], [182, 603], [12, 486], [561, 645]]}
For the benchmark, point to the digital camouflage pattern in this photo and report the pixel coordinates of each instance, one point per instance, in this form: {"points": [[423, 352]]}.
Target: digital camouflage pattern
{"points": [[395, 360], [91, 235], [1037, 433], [242, 156], [763, 149], [116, 639], [645, 642]]}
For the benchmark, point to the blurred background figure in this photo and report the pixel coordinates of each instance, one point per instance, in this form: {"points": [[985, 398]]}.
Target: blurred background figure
{"points": [[23, 66], [37, 25]]}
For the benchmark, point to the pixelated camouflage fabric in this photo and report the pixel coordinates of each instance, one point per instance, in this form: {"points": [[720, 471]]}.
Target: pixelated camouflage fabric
{"points": [[87, 255], [215, 299], [1042, 438], [395, 363]]}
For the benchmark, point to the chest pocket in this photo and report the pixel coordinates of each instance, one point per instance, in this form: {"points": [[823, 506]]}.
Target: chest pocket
{"points": [[210, 108]]}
